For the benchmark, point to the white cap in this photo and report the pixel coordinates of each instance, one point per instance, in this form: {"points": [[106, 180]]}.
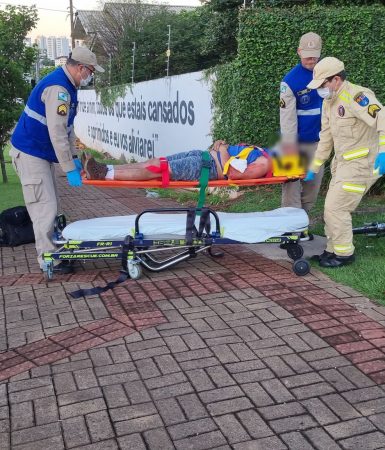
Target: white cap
{"points": [[326, 68], [83, 55], [310, 45]]}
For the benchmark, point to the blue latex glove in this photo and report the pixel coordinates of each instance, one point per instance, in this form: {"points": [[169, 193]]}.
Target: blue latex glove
{"points": [[379, 164], [309, 176], [74, 178], [78, 164]]}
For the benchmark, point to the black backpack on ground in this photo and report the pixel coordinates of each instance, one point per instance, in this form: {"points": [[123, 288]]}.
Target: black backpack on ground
{"points": [[15, 227]]}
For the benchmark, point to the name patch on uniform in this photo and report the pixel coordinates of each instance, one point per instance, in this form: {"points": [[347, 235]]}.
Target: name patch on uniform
{"points": [[63, 96], [282, 103], [373, 110], [341, 111], [304, 91], [62, 110], [361, 99]]}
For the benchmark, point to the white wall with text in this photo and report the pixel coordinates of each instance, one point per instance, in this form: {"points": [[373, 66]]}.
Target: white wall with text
{"points": [[154, 118]]}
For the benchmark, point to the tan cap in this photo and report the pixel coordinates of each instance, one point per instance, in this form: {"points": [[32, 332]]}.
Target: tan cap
{"points": [[84, 55], [326, 68], [310, 45]]}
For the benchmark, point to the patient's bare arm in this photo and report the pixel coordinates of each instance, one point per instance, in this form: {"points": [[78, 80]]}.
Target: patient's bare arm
{"points": [[257, 169], [217, 144]]}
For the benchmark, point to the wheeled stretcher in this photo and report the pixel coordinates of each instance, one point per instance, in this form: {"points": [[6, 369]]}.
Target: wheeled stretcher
{"points": [[160, 238]]}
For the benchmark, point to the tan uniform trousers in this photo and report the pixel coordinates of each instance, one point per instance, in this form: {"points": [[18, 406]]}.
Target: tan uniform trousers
{"points": [[342, 198], [300, 194], [37, 177]]}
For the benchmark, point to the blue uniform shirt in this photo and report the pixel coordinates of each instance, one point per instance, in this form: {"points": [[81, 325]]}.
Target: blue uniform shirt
{"points": [[31, 134], [308, 103]]}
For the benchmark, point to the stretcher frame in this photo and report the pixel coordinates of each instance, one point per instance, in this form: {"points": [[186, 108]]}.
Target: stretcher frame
{"points": [[137, 251], [189, 184]]}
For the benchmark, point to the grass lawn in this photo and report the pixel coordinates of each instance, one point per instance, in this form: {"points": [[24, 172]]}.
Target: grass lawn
{"points": [[11, 194]]}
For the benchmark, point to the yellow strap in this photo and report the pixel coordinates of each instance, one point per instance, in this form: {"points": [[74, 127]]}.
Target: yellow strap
{"points": [[345, 96], [241, 155], [357, 188], [355, 154], [318, 162], [343, 248]]}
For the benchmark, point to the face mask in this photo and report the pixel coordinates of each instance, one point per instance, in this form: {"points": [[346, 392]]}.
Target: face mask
{"points": [[85, 81], [325, 93]]}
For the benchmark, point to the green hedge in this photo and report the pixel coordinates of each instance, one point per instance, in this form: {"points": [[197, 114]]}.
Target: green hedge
{"points": [[247, 90]]}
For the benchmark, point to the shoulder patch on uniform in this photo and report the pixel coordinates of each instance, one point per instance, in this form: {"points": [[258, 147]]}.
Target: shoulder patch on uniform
{"points": [[282, 103], [283, 88], [62, 110], [63, 96], [361, 99], [373, 110]]}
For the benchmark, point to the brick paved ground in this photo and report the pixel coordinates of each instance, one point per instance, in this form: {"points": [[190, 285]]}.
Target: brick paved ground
{"points": [[232, 353]]}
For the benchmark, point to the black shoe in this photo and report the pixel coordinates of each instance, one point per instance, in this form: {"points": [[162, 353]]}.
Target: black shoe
{"points": [[324, 255], [337, 261], [64, 268]]}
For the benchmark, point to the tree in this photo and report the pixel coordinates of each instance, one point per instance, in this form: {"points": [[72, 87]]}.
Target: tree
{"points": [[44, 71], [47, 62], [189, 49], [15, 60]]}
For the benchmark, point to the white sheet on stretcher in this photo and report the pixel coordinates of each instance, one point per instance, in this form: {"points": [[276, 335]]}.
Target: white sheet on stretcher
{"points": [[242, 227]]}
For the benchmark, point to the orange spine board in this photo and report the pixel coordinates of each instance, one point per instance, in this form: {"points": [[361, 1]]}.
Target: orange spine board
{"points": [[185, 184]]}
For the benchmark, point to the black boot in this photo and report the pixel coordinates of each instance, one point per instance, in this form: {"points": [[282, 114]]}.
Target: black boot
{"points": [[337, 261], [324, 255]]}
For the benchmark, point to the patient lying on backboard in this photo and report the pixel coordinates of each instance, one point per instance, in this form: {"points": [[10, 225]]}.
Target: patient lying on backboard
{"points": [[235, 162]]}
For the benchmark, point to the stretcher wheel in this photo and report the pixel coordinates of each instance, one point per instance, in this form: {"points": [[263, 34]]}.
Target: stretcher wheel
{"points": [[134, 270], [48, 271], [301, 267], [294, 251]]}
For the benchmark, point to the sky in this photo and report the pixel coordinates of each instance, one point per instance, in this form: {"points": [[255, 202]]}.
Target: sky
{"points": [[56, 23]]}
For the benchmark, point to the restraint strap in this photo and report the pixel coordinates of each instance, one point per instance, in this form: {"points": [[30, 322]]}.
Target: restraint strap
{"points": [[163, 170], [191, 231], [204, 223], [204, 178], [100, 289], [127, 247]]}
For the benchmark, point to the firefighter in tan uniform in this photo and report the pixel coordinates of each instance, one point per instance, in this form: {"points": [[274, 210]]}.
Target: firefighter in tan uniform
{"points": [[43, 136], [353, 123], [300, 120]]}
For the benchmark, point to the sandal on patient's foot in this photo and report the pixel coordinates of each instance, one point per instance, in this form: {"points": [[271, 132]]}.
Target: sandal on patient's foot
{"points": [[94, 169]]}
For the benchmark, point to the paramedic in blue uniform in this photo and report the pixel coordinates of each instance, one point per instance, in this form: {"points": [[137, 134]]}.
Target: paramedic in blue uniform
{"points": [[44, 136], [300, 120]]}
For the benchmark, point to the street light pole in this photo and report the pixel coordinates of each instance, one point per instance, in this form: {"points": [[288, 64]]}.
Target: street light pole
{"points": [[72, 24], [133, 62], [168, 53]]}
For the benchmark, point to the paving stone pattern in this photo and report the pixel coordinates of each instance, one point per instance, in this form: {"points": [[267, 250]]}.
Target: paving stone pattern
{"points": [[232, 353]]}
